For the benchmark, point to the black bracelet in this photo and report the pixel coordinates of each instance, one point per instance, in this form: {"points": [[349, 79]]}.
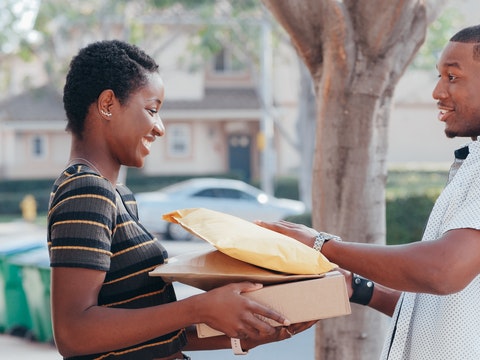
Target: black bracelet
{"points": [[362, 290]]}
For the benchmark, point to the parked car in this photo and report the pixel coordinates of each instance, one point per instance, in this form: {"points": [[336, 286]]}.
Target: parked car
{"points": [[229, 196]]}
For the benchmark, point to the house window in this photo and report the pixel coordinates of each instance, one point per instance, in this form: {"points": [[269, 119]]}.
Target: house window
{"points": [[179, 140], [226, 62], [39, 147]]}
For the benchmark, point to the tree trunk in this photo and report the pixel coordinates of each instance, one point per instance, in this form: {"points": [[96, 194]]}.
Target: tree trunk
{"points": [[349, 199], [356, 51]]}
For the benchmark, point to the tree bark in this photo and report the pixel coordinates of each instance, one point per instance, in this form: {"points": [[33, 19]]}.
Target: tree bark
{"points": [[356, 51]]}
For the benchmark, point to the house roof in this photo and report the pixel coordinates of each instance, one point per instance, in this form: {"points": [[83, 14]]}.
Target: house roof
{"points": [[219, 99], [39, 104], [45, 103]]}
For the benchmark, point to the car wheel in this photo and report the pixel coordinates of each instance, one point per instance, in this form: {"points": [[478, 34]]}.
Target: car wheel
{"points": [[178, 233]]}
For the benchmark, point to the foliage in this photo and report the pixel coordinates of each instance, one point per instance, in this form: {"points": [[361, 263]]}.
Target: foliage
{"points": [[287, 188], [410, 198], [196, 4], [405, 183], [15, 22], [13, 191], [437, 36], [230, 25], [406, 218], [213, 25], [186, 3]]}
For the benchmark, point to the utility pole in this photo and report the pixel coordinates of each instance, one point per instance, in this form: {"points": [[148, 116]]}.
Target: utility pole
{"points": [[267, 162]]}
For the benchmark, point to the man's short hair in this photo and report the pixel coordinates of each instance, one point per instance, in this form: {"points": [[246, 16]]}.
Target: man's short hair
{"points": [[469, 35]]}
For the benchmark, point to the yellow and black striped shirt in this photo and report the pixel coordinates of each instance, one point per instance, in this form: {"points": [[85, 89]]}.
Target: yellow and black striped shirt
{"points": [[93, 225]]}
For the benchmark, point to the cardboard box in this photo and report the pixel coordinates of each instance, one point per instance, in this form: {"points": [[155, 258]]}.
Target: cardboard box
{"points": [[299, 298], [300, 301], [209, 268]]}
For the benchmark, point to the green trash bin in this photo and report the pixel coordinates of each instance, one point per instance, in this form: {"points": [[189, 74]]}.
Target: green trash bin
{"points": [[35, 266], [14, 314]]}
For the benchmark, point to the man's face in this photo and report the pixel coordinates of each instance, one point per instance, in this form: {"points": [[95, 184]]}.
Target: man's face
{"points": [[457, 90]]}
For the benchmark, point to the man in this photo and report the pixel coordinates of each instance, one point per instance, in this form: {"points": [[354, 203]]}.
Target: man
{"points": [[430, 288]]}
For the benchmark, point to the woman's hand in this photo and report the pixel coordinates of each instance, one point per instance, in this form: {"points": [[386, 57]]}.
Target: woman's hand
{"points": [[238, 316]]}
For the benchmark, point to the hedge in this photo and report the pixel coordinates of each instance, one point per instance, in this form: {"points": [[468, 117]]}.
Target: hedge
{"points": [[406, 214], [406, 218]]}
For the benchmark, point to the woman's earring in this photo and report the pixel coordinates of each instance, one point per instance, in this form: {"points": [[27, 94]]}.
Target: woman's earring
{"points": [[105, 113]]}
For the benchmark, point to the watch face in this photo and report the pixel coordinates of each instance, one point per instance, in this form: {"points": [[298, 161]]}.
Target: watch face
{"points": [[322, 238], [319, 241]]}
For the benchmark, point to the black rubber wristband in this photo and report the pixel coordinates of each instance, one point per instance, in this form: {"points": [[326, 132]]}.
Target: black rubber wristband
{"points": [[362, 290]]}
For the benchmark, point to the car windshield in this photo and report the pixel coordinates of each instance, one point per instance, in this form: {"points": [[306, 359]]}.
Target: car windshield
{"points": [[219, 192], [224, 193]]}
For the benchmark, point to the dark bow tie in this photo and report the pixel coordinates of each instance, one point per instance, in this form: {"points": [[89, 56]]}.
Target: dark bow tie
{"points": [[462, 153]]}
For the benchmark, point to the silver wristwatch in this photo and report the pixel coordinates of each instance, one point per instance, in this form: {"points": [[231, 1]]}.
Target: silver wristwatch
{"points": [[321, 238]]}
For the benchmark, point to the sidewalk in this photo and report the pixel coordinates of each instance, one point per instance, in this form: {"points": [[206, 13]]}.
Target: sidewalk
{"points": [[16, 348], [19, 227], [300, 347]]}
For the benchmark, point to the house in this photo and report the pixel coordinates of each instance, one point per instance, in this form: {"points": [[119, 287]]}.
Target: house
{"points": [[213, 119], [33, 143], [212, 114], [212, 135], [213, 129]]}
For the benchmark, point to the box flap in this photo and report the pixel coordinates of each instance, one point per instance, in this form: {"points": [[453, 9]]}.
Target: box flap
{"points": [[209, 268]]}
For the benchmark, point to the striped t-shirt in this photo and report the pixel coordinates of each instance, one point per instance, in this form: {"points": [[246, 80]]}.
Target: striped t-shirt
{"points": [[92, 224]]}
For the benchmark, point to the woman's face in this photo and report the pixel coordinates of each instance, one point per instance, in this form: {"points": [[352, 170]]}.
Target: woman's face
{"points": [[136, 124]]}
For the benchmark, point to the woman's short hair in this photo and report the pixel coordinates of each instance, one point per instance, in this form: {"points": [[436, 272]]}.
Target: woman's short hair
{"points": [[109, 64]]}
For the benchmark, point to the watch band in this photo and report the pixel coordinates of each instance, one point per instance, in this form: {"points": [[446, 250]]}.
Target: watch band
{"points": [[362, 290], [321, 238], [237, 347]]}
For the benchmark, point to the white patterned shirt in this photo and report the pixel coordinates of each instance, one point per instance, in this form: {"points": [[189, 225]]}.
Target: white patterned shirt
{"points": [[443, 327]]}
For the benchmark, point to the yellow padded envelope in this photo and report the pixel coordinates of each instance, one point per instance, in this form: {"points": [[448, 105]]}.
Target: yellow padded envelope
{"points": [[246, 241]]}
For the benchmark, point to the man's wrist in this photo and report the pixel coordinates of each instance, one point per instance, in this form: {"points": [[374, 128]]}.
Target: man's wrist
{"points": [[321, 238], [362, 290]]}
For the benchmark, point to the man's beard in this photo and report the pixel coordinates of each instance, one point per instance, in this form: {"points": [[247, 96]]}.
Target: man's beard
{"points": [[450, 134]]}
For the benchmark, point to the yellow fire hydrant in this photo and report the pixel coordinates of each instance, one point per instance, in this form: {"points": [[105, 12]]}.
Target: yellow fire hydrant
{"points": [[29, 208]]}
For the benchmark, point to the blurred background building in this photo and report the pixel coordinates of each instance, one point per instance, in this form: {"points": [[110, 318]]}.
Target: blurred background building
{"points": [[218, 107]]}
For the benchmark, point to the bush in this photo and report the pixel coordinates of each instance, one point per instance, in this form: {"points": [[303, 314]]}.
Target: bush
{"points": [[406, 218], [410, 198], [12, 193], [287, 188], [305, 219]]}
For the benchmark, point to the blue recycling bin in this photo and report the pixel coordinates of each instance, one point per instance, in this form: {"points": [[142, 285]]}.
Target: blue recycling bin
{"points": [[14, 315]]}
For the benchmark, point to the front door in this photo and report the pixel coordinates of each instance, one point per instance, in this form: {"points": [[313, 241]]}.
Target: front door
{"points": [[239, 159]]}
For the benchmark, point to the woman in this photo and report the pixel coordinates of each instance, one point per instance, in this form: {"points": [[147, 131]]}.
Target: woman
{"points": [[104, 303]]}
